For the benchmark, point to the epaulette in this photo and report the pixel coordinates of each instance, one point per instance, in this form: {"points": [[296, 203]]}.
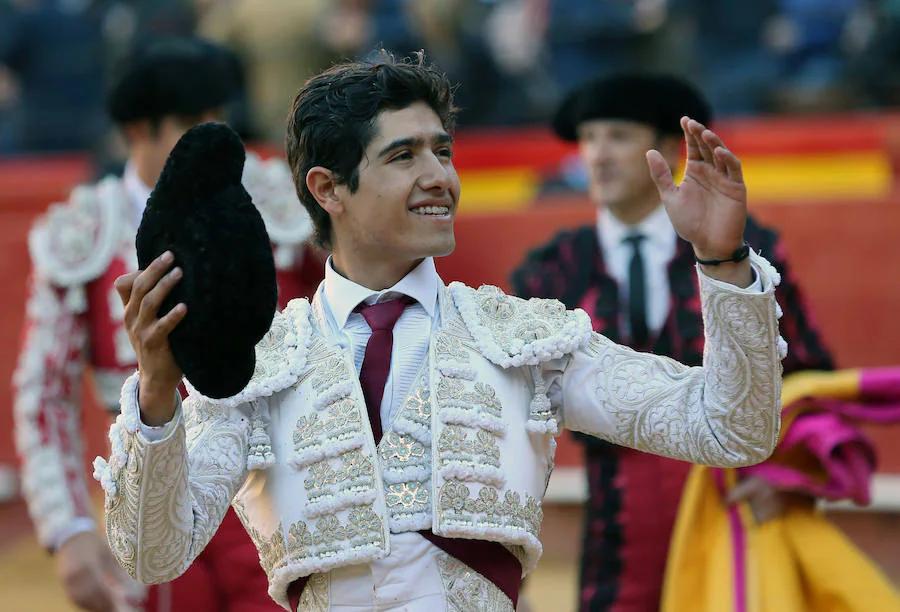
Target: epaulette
{"points": [[280, 357], [74, 242], [512, 332]]}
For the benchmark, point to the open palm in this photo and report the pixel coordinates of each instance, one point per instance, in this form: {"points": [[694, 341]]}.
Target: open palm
{"points": [[709, 207]]}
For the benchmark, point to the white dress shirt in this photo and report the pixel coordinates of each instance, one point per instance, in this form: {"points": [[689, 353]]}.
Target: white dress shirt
{"points": [[412, 332], [657, 250]]}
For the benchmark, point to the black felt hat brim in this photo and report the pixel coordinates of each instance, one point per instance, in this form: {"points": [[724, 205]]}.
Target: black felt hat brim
{"points": [[655, 100]]}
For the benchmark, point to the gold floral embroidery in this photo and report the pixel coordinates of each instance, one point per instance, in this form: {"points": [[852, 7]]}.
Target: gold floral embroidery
{"points": [[529, 331], [552, 309], [459, 507], [454, 446], [328, 537], [407, 497], [271, 350], [497, 307], [299, 538], [449, 347], [363, 521], [329, 372], [467, 590], [450, 390], [485, 396], [401, 449], [356, 471], [341, 421], [419, 407]]}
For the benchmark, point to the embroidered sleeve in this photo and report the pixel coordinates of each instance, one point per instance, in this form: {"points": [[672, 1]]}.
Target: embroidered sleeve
{"points": [[725, 413], [46, 408], [165, 499]]}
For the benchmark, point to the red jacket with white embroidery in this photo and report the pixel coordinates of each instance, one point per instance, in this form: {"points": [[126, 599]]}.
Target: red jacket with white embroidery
{"points": [[74, 321]]}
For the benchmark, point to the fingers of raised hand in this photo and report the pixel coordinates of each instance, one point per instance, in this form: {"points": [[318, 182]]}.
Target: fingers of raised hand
{"points": [[124, 285], [660, 172], [728, 162], [148, 278], [166, 324], [691, 139], [701, 135], [149, 307]]}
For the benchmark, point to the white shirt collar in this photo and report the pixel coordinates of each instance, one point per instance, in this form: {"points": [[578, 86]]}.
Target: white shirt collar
{"points": [[138, 192], [343, 295], [656, 227]]}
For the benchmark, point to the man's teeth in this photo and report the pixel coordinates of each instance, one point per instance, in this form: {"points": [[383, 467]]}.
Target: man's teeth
{"points": [[432, 210]]}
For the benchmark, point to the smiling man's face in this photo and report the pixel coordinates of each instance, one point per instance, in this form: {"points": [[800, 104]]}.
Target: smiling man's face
{"points": [[408, 192]]}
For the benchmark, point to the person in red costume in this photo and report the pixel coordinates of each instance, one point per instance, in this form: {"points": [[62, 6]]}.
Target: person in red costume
{"points": [[634, 276], [74, 323]]}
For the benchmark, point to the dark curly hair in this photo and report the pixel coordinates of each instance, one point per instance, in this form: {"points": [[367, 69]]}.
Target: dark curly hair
{"points": [[332, 119]]}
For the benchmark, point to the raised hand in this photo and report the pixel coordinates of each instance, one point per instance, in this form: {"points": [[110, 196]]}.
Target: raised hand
{"points": [[709, 207], [142, 293]]}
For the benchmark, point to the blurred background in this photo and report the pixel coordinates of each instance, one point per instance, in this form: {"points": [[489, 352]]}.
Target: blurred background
{"points": [[806, 92]]}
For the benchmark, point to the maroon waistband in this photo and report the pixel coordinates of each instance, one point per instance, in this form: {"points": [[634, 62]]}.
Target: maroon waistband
{"points": [[490, 559]]}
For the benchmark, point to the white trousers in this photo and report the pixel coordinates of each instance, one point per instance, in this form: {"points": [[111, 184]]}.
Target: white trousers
{"points": [[416, 577]]}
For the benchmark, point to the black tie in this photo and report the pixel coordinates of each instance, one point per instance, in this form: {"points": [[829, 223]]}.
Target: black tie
{"points": [[637, 291]]}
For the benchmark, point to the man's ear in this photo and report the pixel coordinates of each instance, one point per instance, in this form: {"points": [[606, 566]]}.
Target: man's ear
{"points": [[321, 184]]}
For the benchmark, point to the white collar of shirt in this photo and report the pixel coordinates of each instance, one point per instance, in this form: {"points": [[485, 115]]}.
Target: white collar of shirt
{"points": [[343, 295], [656, 227], [138, 191]]}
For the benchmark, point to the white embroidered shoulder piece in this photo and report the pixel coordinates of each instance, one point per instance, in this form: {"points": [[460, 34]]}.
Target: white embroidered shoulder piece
{"points": [[271, 186], [280, 357], [512, 332], [75, 241]]}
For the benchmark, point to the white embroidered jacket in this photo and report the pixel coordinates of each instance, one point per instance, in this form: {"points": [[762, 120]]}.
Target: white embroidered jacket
{"points": [[470, 453], [74, 320]]}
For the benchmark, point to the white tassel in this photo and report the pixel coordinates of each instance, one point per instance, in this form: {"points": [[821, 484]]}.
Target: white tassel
{"points": [[284, 257], [260, 454], [76, 300], [782, 348], [540, 403]]}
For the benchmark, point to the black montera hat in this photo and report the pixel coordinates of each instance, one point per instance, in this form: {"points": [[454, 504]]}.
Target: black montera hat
{"points": [[200, 211], [657, 100], [172, 76]]}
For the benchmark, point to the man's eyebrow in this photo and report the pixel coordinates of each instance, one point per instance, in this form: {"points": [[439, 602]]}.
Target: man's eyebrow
{"points": [[414, 142]]}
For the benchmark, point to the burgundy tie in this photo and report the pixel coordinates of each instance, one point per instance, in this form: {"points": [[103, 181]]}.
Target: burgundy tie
{"points": [[376, 363]]}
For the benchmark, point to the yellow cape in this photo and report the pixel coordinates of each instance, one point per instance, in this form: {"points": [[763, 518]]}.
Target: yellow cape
{"points": [[722, 561]]}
